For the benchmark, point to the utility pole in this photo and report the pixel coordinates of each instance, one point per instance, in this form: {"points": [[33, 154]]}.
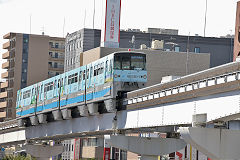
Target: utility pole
{"points": [[205, 22], [93, 13], [187, 54]]}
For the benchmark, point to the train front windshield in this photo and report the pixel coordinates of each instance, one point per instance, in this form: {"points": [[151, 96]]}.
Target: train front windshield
{"points": [[130, 62]]}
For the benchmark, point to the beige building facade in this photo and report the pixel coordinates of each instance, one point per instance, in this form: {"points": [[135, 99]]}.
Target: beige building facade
{"points": [[28, 59]]}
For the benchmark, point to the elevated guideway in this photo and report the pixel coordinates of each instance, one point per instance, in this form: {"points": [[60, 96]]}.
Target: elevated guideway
{"points": [[161, 108]]}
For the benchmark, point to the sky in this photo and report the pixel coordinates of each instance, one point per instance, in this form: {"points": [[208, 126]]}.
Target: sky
{"points": [[59, 17]]}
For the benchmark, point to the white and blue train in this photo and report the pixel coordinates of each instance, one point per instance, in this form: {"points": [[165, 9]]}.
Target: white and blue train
{"points": [[88, 90]]}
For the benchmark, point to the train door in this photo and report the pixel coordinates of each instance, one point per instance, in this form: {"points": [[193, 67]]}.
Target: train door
{"points": [[33, 94], [84, 81], [55, 87], [89, 75], [108, 69], [101, 72], [80, 80], [63, 90], [41, 92]]}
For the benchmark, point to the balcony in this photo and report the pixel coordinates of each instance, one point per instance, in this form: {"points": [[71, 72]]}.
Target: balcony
{"points": [[7, 75], [55, 58], [4, 85], [56, 68], [4, 94], [2, 114], [57, 48], [6, 45], [7, 36], [3, 104], [5, 55], [5, 65]]}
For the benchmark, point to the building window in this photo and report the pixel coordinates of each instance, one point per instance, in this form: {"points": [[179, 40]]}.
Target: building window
{"points": [[56, 45], [177, 49], [196, 50], [51, 44]]}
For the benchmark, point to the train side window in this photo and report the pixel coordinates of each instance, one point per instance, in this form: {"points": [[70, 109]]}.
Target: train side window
{"points": [[59, 83], [26, 94], [76, 77], [80, 76], [69, 79], [64, 81], [51, 86], [102, 64], [45, 88], [55, 84], [106, 66], [48, 87], [87, 73], [98, 69], [91, 71], [84, 75]]}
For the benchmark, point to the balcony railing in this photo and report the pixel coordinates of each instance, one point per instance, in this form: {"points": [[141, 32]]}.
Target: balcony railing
{"points": [[6, 45], [6, 55], [2, 114], [56, 58], [4, 84], [5, 65], [7, 74], [4, 94], [60, 47], [56, 68], [7, 36], [3, 104]]}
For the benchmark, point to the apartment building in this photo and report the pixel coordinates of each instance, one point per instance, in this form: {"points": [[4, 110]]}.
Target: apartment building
{"points": [[78, 42], [29, 59]]}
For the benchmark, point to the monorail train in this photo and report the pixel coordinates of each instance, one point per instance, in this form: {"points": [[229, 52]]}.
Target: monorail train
{"points": [[92, 89]]}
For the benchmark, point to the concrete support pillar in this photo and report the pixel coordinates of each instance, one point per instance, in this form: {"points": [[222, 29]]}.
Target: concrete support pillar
{"points": [[42, 118], [144, 157], [43, 152], [66, 113], [214, 143], [83, 110], [57, 115], [93, 108], [34, 120], [145, 146]]}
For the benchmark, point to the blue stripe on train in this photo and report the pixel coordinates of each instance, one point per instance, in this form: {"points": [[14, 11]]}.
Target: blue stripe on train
{"points": [[65, 102]]}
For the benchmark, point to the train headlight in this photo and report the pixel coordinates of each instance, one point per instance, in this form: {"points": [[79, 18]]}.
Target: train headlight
{"points": [[115, 76], [145, 76]]}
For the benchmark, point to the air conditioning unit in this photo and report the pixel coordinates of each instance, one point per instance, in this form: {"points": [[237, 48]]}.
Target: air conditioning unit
{"points": [[143, 46], [157, 45]]}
